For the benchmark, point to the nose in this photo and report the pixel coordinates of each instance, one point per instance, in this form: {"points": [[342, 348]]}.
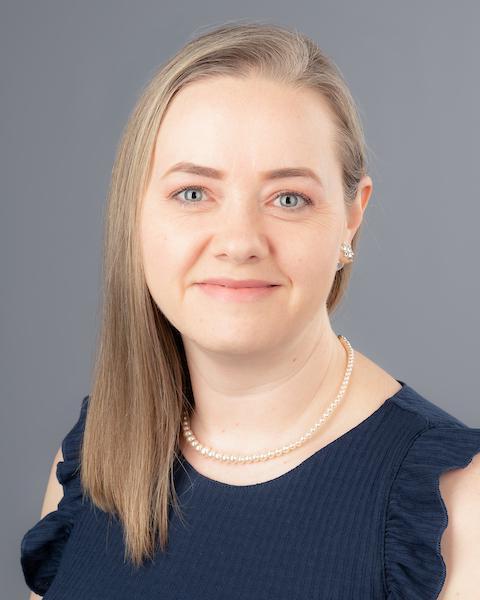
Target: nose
{"points": [[240, 233]]}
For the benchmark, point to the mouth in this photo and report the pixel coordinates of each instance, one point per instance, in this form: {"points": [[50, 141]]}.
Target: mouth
{"points": [[242, 287], [227, 293], [238, 283]]}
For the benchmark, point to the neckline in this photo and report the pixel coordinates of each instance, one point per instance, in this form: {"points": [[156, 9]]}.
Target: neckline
{"points": [[305, 463]]}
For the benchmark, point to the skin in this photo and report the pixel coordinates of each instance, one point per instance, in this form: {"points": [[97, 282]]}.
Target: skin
{"points": [[262, 371]]}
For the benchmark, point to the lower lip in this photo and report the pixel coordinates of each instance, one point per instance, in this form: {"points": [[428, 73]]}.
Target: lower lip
{"points": [[228, 293]]}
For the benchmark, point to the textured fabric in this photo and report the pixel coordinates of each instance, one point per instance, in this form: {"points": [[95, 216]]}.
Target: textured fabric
{"points": [[417, 515], [42, 546], [360, 519]]}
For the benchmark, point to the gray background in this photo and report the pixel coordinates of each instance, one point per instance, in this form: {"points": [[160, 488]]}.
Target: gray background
{"points": [[70, 74]]}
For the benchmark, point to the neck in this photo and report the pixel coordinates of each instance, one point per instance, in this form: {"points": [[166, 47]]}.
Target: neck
{"points": [[249, 402]]}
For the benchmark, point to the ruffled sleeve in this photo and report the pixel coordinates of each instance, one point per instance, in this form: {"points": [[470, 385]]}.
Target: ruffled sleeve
{"points": [[42, 545], [416, 513]]}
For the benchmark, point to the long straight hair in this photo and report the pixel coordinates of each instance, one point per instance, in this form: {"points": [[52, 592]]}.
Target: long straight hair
{"points": [[140, 380]]}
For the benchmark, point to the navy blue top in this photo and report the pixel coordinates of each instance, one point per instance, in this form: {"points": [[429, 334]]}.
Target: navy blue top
{"points": [[360, 519]]}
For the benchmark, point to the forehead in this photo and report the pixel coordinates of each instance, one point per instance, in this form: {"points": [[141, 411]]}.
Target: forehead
{"points": [[249, 123]]}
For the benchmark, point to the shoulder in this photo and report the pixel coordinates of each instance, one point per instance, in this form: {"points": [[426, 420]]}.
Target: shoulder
{"points": [[374, 385], [42, 545], [424, 408], [440, 447]]}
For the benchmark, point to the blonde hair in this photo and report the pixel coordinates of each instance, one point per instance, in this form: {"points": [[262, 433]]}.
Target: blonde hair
{"points": [[140, 380]]}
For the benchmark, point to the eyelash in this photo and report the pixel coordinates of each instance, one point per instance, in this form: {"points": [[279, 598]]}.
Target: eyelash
{"points": [[308, 201]]}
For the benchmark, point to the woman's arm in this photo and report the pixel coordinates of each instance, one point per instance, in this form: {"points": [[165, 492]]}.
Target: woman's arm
{"points": [[54, 491]]}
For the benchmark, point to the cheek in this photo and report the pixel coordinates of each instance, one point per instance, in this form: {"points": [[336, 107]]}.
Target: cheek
{"points": [[311, 260], [163, 261], [163, 255]]}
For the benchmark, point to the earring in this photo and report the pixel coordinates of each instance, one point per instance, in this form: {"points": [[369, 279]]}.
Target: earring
{"points": [[348, 253]]}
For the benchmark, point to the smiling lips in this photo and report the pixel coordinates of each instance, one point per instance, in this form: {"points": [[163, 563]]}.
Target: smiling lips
{"points": [[236, 289], [238, 283]]}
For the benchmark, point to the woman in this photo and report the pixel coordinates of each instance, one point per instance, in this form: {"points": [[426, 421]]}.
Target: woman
{"points": [[295, 466]]}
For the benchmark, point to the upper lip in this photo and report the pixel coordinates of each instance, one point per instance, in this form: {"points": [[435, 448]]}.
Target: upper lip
{"points": [[238, 283]]}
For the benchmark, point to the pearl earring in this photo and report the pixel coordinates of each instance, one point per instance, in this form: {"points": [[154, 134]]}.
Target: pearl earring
{"points": [[348, 253]]}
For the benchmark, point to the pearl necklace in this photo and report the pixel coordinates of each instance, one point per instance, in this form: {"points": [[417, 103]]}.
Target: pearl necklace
{"points": [[205, 450]]}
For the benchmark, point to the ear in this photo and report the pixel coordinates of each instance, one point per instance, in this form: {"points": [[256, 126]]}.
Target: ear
{"points": [[357, 209]]}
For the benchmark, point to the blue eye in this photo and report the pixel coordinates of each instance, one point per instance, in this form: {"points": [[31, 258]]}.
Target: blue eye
{"points": [[185, 189], [195, 199], [290, 195], [195, 195]]}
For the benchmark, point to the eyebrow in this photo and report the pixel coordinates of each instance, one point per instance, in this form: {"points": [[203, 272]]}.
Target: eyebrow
{"points": [[188, 167]]}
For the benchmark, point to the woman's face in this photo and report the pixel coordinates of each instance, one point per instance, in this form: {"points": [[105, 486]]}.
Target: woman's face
{"points": [[243, 219]]}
